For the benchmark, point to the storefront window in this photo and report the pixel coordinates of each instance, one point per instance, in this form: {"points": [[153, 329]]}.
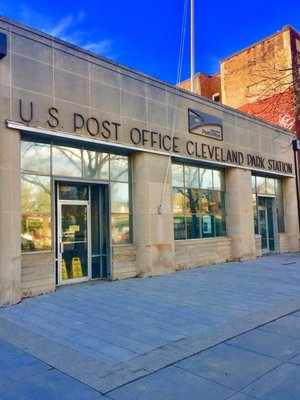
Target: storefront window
{"points": [[40, 161], [36, 213], [199, 204]]}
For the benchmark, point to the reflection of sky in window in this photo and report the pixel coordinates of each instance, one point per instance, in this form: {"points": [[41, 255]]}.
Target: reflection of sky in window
{"points": [[66, 161], [205, 176], [191, 177], [261, 184], [95, 165], [270, 186], [177, 175], [118, 168], [35, 157], [218, 184], [119, 198]]}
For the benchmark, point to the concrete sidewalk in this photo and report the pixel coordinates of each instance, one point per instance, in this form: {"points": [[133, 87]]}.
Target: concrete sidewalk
{"points": [[197, 334]]}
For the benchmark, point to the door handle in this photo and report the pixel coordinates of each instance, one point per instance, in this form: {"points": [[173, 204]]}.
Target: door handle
{"points": [[61, 247]]}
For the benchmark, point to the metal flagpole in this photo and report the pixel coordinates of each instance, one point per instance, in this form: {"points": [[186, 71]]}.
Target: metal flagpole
{"points": [[192, 46]]}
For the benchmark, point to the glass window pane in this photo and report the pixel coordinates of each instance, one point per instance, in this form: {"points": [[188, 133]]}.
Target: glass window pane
{"points": [[179, 227], [218, 203], [193, 226], [191, 177], [119, 197], [177, 175], [205, 176], [178, 200], [206, 202], [95, 165], [218, 178], [120, 228], [35, 157], [66, 161], [270, 186], [118, 168], [36, 213], [261, 184], [73, 192], [192, 201], [220, 225]]}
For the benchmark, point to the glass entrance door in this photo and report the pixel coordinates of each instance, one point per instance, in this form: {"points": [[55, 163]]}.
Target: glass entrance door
{"points": [[266, 223], [83, 246], [73, 242]]}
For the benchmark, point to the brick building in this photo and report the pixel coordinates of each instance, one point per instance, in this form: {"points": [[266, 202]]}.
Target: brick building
{"points": [[262, 80]]}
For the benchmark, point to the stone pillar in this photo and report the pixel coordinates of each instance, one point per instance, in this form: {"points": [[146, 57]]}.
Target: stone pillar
{"points": [[240, 226], [290, 209], [10, 217], [153, 232]]}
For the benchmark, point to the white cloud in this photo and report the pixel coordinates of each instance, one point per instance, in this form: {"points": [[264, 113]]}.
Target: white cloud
{"points": [[70, 29]]}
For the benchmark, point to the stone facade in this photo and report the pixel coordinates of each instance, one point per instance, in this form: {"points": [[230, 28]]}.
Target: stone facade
{"points": [[51, 90]]}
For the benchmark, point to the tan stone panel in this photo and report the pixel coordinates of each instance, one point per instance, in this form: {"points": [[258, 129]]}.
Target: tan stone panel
{"points": [[180, 118], [163, 258], [16, 191], [162, 230], [109, 76], [133, 83], [5, 236], [66, 116], [142, 229], [31, 48], [127, 125], [242, 137], [157, 93], [69, 62], [71, 87], [4, 103], [105, 97], [155, 196], [40, 107], [144, 260], [5, 148], [31, 75], [157, 113], [133, 106], [5, 182], [266, 145], [141, 198], [229, 134]]}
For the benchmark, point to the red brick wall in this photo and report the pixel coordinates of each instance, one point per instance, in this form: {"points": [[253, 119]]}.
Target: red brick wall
{"points": [[205, 85], [258, 80]]}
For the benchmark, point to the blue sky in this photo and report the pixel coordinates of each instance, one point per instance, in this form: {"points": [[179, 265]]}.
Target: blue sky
{"points": [[145, 34]]}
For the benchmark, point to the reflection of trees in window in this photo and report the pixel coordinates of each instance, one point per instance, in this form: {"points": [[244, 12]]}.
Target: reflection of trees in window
{"points": [[199, 205], [66, 161], [37, 158], [96, 164], [36, 213]]}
